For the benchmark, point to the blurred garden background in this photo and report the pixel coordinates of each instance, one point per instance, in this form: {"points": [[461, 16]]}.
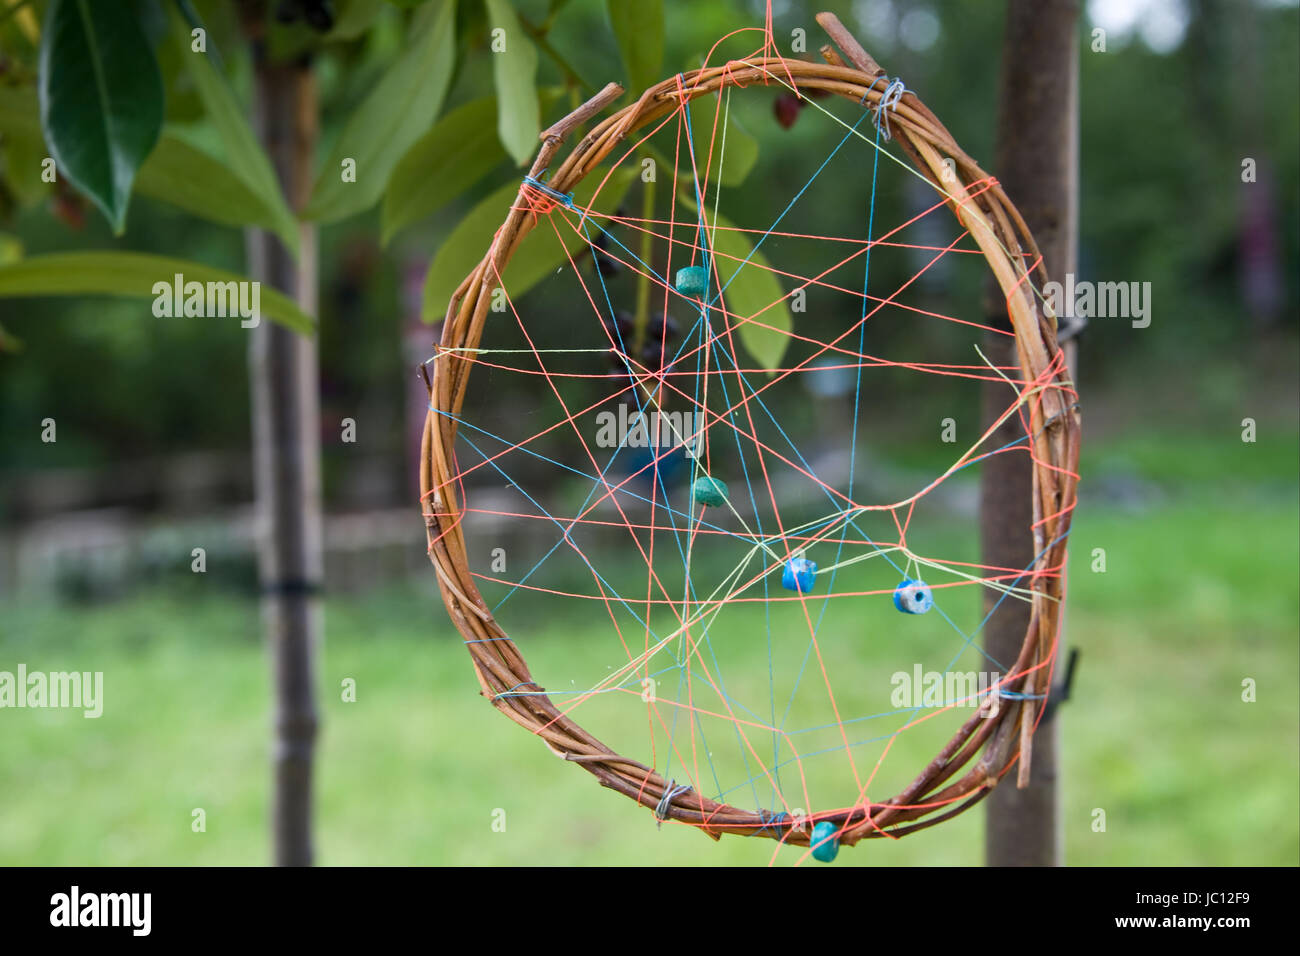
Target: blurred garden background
{"points": [[1201, 530]]}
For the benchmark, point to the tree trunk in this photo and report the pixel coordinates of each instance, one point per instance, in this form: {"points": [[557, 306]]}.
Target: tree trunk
{"points": [[1037, 164], [286, 457]]}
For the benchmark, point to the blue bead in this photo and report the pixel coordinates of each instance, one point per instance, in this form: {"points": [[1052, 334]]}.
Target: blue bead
{"points": [[913, 597], [798, 575], [825, 841], [692, 281], [709, 491]]}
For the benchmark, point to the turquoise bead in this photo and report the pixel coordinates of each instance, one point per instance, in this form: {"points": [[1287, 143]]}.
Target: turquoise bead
{"points": [[913, 597], [709, 491], [798, 575], [692, 281], [825, 841]]}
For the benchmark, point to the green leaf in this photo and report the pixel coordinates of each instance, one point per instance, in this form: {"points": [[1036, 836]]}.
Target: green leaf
{"points": [[11, 248], [537, 256], [390, 119], [737, 154], [515, 71], [9, 343], [243, 153], [639, 28], [101, 99], [132, 274], [183, 103], [19, 111], [460, 150], [190, 179], [355, 18], [22, 168], [750, 290], [23, 146]]}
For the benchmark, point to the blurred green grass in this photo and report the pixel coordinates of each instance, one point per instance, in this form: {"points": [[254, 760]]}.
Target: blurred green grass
{"points": [[1200, 593]]}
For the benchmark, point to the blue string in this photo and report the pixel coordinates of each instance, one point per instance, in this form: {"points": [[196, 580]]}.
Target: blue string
{"points": [[564, 199], [771, 820]]}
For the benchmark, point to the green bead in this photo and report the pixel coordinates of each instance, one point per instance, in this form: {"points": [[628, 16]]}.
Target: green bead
{"points": [[825, 843], [709, 491], [692, 281]]}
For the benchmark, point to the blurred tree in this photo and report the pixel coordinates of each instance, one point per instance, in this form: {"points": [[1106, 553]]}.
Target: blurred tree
{"points": [[1037, 161], [286, 431]]}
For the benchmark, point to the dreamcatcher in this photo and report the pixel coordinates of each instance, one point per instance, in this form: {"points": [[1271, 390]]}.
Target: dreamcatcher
{"points": [[737, 582]]}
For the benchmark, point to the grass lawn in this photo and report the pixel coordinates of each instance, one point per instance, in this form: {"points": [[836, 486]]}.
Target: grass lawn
{"points": [[1199, 594]]}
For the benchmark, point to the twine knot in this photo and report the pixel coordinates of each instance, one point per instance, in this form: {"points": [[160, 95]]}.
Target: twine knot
{"points": [[670, 794], [889, 100], [542, 198]]}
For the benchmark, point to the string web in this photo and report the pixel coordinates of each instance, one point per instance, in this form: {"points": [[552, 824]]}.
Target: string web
{"points": [[703, 663]]}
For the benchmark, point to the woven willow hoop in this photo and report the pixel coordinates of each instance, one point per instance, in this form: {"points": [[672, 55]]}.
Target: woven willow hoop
{"points": [[1000, 730]]}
